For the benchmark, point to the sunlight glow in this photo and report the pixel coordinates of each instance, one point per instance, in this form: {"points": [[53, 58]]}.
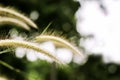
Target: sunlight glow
{"points": [[49, 46], [103, 25], [64, 55], [20, 52]]}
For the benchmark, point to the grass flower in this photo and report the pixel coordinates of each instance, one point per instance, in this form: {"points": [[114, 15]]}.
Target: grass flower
{"points": [[13, 21], [9, 16], [29, 45], [9, 12], [59, 42]]}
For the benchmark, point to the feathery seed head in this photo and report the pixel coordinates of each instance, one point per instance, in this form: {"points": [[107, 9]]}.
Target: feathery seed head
{"points": [[13, 21], [9, 12], [59, 42], [29, 45]]}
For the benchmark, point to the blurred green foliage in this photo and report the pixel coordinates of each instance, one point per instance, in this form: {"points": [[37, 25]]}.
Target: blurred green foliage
{"points": [[61, 13]]}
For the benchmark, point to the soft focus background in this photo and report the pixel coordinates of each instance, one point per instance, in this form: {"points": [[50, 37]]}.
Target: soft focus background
{"points": [[93, 25]]}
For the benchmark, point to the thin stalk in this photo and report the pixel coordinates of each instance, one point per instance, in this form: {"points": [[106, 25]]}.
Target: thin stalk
{"points": [[53, 71], [9, 66], [46, 28], [5, 51]]}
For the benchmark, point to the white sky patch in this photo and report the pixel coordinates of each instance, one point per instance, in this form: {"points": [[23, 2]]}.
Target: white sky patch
{"points": [[79, 60], [48, 46], [64, 55], [105, 28], [30, 54], [33, 55], [20, 52]]}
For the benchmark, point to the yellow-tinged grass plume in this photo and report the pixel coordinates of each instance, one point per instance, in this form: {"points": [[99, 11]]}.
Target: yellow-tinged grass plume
{"points": [[58, 41], [29, 45], [9, 12], [13, 21], [3, 78]]}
